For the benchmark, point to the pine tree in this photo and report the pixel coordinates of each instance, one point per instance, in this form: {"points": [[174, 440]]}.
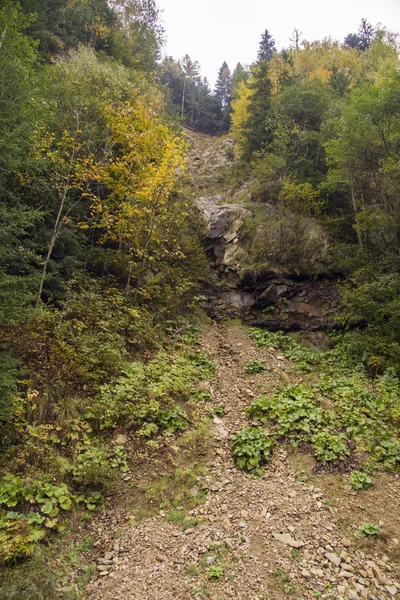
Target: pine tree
{"points": [[363, 39], [255, 130], [267, 47], [223, 87]]}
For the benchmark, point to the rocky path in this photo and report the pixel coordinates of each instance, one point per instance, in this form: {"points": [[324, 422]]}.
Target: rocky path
{"points": [[263, 538]]}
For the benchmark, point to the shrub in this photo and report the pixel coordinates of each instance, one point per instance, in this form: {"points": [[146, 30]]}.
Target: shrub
{"points": [[254, 366], [38, 508], [330, 447], [251, 449], [173, 419], [359, 480], [368, 529], [91, 467], [293, 410]]}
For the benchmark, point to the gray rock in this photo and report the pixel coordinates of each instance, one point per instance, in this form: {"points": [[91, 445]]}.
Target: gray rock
{"points": [[215, 486], [287, 539], [333, 558], [345, 575], [317, 572]]}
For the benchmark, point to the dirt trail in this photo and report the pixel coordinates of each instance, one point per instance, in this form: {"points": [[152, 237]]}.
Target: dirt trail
{"points": [[235, 538]]}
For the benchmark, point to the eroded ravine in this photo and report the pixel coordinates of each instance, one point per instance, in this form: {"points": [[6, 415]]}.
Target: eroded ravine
{"points": [[241, 522]]}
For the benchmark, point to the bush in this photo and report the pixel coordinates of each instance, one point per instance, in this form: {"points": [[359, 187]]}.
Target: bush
{"points": [[335, 410], [330, 447], [146, 392], [373, 298], [38, 506], [91, 467], [252, 448], [293, 410], [359, 480], [254, 366], [368, 530]]}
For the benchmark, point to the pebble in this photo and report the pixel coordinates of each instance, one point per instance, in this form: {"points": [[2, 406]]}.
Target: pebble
{"points": [[317, 572], [391, 589], [216, 486], [345, 574], [333, 558]]}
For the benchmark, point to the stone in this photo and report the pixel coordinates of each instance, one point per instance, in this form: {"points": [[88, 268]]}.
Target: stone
{"points": [[215, 486], [345, 575], [333, 558], [121, 439], [391, 589], [305, 573], [317, 572], [287, 539], [104, 561]]}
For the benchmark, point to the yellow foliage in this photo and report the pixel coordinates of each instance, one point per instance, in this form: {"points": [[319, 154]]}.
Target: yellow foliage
{"points": [[319, 60], [279, 71], [145, 160], [240, 113]]}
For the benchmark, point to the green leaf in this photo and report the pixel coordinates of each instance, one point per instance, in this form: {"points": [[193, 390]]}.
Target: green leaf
{"points": [[47, 508]]}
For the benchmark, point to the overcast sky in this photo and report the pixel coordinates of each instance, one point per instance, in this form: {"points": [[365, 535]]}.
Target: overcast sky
{"points": [[212, 31]]}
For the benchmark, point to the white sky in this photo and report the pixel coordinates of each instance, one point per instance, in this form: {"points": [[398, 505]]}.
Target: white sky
{"points": [[212, 31]]}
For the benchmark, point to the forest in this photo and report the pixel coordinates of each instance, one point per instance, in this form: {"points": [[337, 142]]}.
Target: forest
{"points": [[103, 273]]}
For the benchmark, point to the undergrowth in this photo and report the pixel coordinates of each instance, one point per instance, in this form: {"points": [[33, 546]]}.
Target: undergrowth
{"points": [[95, 369], [338, 412]]}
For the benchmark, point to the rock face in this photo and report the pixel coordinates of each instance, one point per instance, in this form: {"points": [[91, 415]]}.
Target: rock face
{"points": [[280, 303], [236, 237], [224, 224]]}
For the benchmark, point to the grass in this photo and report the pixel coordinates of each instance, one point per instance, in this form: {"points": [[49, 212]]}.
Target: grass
{"points": [[50, 569], [180, 517]]}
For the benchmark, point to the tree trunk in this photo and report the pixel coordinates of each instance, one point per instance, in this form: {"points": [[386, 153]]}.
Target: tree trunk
{"points": [[54, 236], [193, 98], [353, 199], [183, 98], [128, 282]]}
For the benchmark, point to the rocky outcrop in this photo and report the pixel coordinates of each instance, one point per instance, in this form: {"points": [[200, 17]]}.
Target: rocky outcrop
{"points": [[280, 303], [224, 224], [239, 234]]}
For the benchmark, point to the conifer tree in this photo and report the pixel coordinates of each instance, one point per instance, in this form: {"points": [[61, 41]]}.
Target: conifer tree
{"points": [[223, 87], [255, 130]]}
